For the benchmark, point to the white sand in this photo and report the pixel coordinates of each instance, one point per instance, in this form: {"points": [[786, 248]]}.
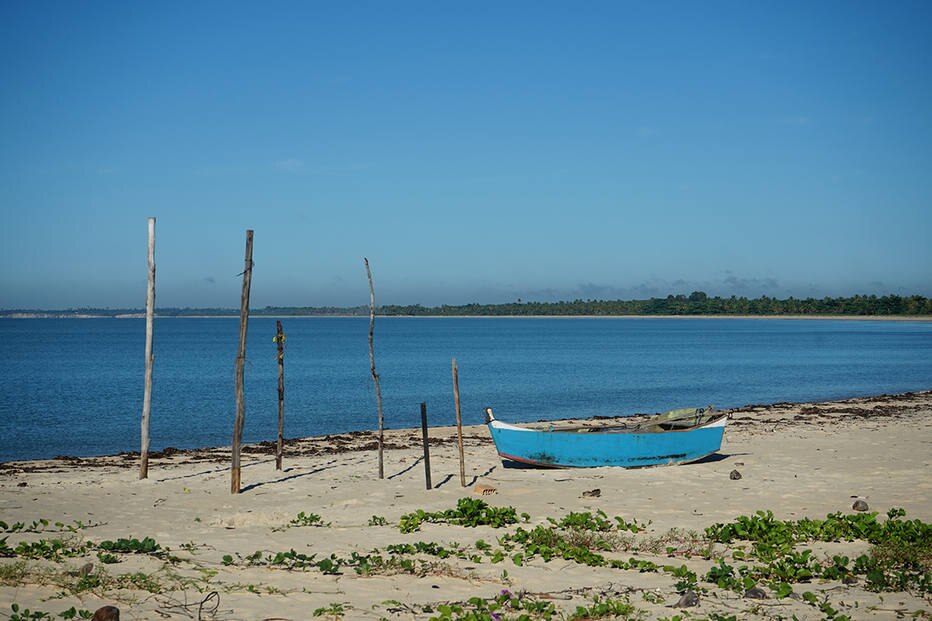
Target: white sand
{"points": [[796, 460]]}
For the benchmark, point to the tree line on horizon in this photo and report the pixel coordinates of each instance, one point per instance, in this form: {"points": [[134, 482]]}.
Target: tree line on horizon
{"points": [[697, 303]]}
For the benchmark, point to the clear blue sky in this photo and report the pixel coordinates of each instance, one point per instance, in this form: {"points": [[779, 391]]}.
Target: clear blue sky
{"points": [[474, 151]]}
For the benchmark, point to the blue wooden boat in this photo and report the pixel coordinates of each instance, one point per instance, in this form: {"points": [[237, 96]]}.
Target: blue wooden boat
{"points": [[676, 437]]}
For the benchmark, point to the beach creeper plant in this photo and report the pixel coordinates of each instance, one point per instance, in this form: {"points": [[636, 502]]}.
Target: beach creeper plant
{"points": [[469, 512], [333, 611], [508, 606], [132, 546], [549, 543], [505, 606], [423, 547], [290, 560], [43, 525], [675, 542], [58, 549], [302, 519], [69, 582], [900, 558], [581, 538], [50, 549], [361, 564], [24, 614], [764, 528], [577, 536], [605, 608], [307, 519], [824, 606]]}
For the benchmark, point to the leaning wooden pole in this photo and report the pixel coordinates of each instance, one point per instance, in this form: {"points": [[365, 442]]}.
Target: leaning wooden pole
{"points": [[240, 363], [375, 376], [150, 357], [279, 447], [426, 445], [459, 422]]}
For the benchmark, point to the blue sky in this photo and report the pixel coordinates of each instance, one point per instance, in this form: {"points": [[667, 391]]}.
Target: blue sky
{"points": [[474, 152]]}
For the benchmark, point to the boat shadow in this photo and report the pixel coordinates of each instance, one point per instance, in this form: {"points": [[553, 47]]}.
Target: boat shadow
{"points": [[714, 458]]}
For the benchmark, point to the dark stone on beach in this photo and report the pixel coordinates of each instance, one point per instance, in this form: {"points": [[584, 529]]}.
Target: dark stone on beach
{"points": [[755, 593], [107, 613], [734, 475], [688, 600], [860, 505], [592, 493], [22, 484]]}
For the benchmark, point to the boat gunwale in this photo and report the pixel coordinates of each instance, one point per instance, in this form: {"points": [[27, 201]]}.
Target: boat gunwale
{"points": [[713, 422]]}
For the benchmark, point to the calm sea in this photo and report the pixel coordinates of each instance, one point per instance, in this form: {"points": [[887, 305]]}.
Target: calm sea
{"points": [[74, 387]]}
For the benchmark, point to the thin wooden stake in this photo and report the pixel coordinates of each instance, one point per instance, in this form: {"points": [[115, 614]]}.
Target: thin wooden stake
{"points": [[279, 448], [459, 422], [426, 444], [375, 376], [240, 362], [150, 357]]}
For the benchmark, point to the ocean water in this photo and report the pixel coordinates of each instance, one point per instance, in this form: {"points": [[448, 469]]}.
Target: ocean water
{"points": [[74, 386]]}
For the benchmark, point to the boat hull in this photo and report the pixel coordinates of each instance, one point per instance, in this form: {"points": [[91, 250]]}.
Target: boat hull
{"points": [[557, 449]]}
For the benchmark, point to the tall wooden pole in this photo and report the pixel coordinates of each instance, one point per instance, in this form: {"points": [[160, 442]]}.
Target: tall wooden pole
{"points": [[150, 357], [279, 448], [426, 445], [375, 376], [459, 422], [240, 362]]}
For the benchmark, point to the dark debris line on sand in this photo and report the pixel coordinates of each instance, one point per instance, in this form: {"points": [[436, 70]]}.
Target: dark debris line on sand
{"points": [[880, 406]]}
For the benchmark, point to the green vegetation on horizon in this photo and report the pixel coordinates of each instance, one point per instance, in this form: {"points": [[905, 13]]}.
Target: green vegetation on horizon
{"points": [[697, 303]]}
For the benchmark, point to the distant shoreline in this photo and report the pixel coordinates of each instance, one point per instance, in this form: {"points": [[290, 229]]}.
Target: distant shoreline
{"points": [[917, 318], [697, 305]]}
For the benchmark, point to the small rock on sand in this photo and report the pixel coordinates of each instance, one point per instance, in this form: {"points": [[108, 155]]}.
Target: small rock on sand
{"points": [[734, 475], [755, 593], [860, 505], [688, 600], [592, 493], [107, 613]]}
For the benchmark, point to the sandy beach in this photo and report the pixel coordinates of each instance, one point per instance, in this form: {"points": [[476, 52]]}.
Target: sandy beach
{"points": [[323, 537]]}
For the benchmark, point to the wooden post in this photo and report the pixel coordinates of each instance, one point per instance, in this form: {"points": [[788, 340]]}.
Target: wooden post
{"points": [[279, 448], [375, 376], [150, 357], [459, 422], [240, 362], [426, 444]]}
